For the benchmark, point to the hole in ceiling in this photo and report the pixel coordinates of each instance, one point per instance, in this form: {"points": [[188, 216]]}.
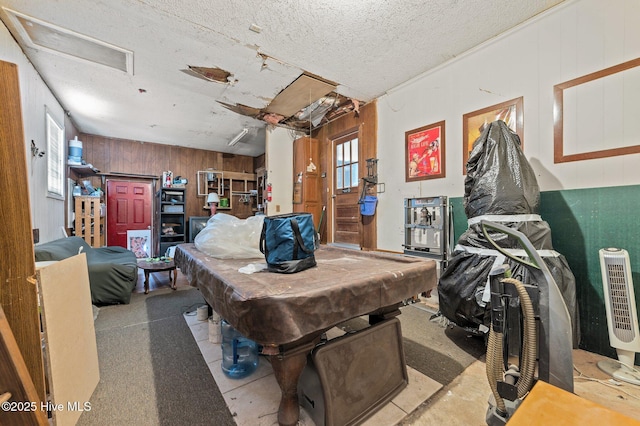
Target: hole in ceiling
{"points": [[210, 74]]}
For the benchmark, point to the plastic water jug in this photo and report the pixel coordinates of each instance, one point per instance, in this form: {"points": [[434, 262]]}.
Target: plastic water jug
{"points": [[239, 354], [75, 150]]}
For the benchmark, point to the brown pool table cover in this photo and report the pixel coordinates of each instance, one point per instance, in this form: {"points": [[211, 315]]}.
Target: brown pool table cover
{"points": [[276, 309]]}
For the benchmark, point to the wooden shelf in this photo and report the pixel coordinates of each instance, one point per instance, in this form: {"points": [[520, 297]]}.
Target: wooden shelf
{"points": [[234, 186], [89, 222], [84, 170]]}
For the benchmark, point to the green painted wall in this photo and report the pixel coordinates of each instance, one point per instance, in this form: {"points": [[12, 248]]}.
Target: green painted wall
{"points": [[582, 222]]}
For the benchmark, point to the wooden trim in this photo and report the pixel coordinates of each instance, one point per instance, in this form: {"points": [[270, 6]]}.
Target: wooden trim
{"points": [[558, 112]]}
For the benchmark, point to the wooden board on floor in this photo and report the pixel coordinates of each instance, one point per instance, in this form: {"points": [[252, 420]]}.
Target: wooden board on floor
{"points": [[547, 404], [70, 338]]}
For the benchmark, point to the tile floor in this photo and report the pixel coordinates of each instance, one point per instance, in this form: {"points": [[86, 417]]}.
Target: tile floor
{"points": [[424, 402], [253, 401], [463, 402]]}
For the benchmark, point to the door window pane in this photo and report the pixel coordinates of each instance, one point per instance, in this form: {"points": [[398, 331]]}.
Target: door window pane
{"points": [[347, 169], [354, 174], [347, 176], [347, 152]]}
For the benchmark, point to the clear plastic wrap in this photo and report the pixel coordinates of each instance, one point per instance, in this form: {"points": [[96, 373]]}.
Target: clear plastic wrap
{"points": [[227, 237]]}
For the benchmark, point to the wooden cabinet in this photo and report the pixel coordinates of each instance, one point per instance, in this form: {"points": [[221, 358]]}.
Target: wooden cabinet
{"points": [[307, 187], [172, 218], [89, 220]]}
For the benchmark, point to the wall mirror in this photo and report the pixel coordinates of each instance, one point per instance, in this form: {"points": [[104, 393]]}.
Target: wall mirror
{"points": [[596, 115]]}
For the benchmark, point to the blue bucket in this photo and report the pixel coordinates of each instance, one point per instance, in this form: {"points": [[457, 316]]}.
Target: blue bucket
{"points": [[368, 205]]}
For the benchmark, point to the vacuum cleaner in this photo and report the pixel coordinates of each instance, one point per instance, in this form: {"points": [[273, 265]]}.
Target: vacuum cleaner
{"points": [[530, 323]]}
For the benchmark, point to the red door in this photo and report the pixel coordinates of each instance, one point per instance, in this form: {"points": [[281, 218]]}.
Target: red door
{"points": [[129, 207]]}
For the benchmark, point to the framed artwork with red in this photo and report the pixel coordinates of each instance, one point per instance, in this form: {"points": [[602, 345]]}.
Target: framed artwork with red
{"points": [[425, 152]]}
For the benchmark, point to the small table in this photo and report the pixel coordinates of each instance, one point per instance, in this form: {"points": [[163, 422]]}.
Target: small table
{"points": [[149, 266]]}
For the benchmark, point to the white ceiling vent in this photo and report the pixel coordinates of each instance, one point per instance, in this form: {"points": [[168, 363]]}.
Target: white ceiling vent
{"points": [[41, 35]]}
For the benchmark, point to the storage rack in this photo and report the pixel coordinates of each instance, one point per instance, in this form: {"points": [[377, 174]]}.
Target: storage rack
{"points": [[89, 220], [172, 218]]}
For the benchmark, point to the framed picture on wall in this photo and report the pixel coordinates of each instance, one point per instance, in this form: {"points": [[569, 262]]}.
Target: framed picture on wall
{"points": [[473, 123], [425, 152]]}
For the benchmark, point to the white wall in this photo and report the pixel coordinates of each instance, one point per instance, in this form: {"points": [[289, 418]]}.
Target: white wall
{"points": [[47, 214], [279, 165], [569, 41]]}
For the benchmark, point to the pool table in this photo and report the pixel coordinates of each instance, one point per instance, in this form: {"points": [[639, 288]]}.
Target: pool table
{"points": [[288, 313]]}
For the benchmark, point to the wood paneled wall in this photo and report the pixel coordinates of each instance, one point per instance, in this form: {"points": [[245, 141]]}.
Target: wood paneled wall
{"points": [[366, 123], [111, 155]]}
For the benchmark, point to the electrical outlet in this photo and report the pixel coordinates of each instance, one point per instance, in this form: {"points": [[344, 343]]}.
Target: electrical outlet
{"points": [[36, 236], [277, 208]]}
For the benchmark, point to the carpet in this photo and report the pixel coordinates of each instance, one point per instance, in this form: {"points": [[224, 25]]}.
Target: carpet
{"points": [[151, 369]]}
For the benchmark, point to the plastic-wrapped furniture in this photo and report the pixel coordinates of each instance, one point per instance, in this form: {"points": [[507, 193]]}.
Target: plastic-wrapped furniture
{"points": [[500, 186]]}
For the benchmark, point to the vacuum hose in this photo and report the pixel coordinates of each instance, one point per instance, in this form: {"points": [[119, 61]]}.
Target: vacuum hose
{"points": [[494, 364], [495, 360]]}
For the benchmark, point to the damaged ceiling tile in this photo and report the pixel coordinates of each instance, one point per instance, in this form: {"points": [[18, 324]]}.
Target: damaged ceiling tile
{"points": [[209, 73], [307, 103], [305, 90], [242, 109]]}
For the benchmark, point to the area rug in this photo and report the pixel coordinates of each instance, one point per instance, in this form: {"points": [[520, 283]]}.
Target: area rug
{"points": [[151, 370]]}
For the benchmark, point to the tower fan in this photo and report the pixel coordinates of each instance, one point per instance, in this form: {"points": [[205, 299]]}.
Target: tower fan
{"points": [[622, 317]]}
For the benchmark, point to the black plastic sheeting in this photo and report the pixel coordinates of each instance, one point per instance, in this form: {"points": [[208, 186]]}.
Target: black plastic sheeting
{"points": [[500, 181]]}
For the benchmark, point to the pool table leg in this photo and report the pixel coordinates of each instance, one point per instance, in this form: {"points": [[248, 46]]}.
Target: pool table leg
{"points": [[287, 368]]}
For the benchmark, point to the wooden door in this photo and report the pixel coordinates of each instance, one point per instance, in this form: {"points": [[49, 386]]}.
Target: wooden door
{"points": [[346, 184], [18, 296], [129, 207], [307, 182]]}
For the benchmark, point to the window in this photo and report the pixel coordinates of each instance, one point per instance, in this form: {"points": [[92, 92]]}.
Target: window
{"points": [[347, 163], [55, 157]]}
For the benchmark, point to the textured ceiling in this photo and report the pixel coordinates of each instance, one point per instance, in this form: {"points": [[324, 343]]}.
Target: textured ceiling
{"points": [[364, 47]]}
